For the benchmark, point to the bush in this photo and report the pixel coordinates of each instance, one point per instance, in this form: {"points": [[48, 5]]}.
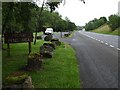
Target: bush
{"points": [[114, 21]]}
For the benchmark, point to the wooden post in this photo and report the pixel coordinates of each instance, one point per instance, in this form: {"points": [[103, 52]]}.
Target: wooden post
{"points": [[8, 49], [61, 34], [29, 47]]}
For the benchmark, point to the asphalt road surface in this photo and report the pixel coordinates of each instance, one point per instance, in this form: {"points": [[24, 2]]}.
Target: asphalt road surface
{"points": [[110, 40], [98, 62]]}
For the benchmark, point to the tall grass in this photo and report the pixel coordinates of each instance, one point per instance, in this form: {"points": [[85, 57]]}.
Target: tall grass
{"points": [[105, 29]]}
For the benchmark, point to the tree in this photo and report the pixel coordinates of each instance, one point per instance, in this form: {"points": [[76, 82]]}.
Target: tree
{"points": [[17, 16], [114, 21], [95, 23], [27, 16], [53, 4]]}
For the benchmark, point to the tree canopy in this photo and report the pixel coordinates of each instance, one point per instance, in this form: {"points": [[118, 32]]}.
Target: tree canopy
{"points": [[17, 16], [113, 22], [25, 16], [95, 23]]}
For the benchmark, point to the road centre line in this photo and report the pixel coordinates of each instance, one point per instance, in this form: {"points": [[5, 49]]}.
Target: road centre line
{"points": [[106, 43], [101, 41], [111, 46], [118, 48]]}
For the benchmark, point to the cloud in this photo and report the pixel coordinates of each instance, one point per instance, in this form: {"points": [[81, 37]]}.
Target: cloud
{"points": [[81, 13]]}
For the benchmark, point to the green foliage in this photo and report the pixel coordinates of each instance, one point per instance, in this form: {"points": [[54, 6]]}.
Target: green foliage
{"points": [[27, 16], [105, 29], [114, 21], [93, 24], [53, 5], [17, 16], [55, 21]]}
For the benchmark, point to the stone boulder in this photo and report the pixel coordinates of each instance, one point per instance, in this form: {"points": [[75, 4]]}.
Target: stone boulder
{"points": [[48, 37], [18, 80], [50, 44], [56, 41], [34, 62], [46, 51]]}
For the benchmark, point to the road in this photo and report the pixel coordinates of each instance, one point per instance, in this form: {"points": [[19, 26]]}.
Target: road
{"points": [[98, 62], [110, 40]]}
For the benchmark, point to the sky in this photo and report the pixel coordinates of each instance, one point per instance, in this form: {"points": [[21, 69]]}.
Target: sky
{"points": [[81, 13]]}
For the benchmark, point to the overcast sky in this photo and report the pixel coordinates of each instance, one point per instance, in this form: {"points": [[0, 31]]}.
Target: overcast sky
{"points": [[81, 13]]}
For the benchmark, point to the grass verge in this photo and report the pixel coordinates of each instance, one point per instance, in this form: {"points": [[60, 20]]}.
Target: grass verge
{"points": [[59, 72], [105, 29]]}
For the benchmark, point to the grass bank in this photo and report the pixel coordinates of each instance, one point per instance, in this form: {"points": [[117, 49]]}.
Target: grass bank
{"points": [[61, 71], [105, 29]]}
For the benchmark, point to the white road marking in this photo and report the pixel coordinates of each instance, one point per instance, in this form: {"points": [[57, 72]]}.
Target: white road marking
{"points": [[93, 38], [118, 48], [111, 46], [106, 43], [102, 42], [88, 36], [73, 39]]}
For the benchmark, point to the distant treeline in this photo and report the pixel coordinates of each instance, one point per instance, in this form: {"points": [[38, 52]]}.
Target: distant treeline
{"points": [[27, 16], [55, 21], [113, 22]]}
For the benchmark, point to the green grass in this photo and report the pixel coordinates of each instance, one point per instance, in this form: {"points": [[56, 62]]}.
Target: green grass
{"points": [[105, 29], [0, 67], [116, 32], [59, 72], [38, 34], [72, 34]]}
